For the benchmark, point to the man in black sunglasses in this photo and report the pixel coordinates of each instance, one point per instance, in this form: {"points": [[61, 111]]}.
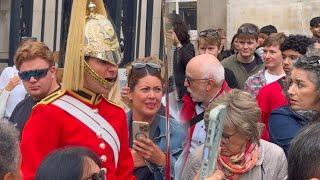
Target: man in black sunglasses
{"points": [[37, 70], [79, 115], [246, 62]]}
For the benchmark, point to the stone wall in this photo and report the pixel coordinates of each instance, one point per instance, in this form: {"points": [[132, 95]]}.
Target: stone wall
{"points": [[4, 28], [289, 16]]}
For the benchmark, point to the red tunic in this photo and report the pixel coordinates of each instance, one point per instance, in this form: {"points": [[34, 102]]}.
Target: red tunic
{"points": [[50, 127], [270, 97]]}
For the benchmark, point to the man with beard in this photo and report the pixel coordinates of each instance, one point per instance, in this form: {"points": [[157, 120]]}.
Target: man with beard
{"points": [[79, 115], [204, 82]]}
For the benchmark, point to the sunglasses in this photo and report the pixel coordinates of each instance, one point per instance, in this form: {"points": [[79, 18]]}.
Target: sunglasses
{"points": [[140, 65], [247, 30], [209, 32], [37, 74], [190, 80], [97, 176]]}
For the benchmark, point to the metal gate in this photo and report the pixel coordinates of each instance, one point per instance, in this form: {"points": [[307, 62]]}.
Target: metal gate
{"points": [[123, 13]]}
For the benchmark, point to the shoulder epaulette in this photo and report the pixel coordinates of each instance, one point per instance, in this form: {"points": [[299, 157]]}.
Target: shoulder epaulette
{"points": [[52, 97], [112, 102]]}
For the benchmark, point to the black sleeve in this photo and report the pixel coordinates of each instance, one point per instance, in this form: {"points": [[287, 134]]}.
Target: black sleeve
{"points": [[21, 113], [230, 78], [186, 53]]}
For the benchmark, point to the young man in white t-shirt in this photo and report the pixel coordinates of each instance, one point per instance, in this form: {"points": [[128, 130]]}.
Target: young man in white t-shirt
{"points": [[273, 65]]}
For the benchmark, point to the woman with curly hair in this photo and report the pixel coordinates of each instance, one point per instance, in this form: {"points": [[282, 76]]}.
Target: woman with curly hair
{"points": [[304, 102]]}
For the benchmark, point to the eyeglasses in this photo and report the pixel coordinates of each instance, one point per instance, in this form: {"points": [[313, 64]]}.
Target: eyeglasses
{"points": [[140, 65], [227, 136], [190, 80], [209, 32], [37, 74], [247, 30], [97, 176]]}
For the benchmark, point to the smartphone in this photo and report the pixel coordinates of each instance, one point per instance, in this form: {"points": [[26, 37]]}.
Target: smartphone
{"points": [[122, 73], [140, 129]]}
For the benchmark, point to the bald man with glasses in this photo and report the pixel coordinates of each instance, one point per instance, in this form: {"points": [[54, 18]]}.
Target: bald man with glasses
{"points": [[205, 81]]}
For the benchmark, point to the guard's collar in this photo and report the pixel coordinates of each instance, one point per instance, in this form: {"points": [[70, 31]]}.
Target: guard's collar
{"points": [[87, 96]]}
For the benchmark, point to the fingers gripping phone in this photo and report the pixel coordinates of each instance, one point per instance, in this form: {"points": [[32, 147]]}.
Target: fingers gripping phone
{"points": [[140, 129]]}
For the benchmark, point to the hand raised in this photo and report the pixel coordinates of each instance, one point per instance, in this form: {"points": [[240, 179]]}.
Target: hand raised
{"points": [[149, 151], [137, 159], [13, 82]]}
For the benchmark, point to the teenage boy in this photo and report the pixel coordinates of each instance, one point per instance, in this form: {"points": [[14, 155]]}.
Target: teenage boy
{"points": [[209, 42], [273, 65], [315, 28], [265, 31], [246, 62]]}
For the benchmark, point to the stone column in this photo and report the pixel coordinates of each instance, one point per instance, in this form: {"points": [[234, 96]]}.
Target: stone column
{"points": [[211, 14], [4, 28]]}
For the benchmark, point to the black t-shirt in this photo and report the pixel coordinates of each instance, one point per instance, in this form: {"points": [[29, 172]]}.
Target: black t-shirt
{"points": [[230, 78], [250, 66], [21, 112]]}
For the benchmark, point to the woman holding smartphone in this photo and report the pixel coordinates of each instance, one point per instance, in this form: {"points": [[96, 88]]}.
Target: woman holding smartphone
{"points": [[146, 89]]}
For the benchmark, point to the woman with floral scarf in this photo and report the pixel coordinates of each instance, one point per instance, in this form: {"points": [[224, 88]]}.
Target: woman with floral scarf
{"points": [[243, 155], [304, 102]]}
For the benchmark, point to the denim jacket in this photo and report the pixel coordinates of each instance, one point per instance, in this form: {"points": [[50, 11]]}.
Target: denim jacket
{"points": [[177, 137]]}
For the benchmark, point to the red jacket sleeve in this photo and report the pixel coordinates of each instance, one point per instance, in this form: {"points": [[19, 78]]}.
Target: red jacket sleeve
{"points": [[125, 165], [263, 102], [39, 137], [270, 97]]}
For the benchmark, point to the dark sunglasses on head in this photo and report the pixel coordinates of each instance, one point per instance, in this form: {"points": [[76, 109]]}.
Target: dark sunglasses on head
{"points": [[140, 65], [97, 176], [37, 74], [209, 32]]}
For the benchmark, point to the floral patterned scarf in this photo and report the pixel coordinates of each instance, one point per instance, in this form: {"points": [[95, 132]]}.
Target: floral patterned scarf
{"points": [[238, 164]]}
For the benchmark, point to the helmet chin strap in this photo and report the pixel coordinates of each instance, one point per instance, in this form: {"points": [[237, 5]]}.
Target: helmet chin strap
{"points": [[103, 82]]}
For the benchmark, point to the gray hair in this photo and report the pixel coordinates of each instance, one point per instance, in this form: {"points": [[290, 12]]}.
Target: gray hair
{"points": [[215, 72], [9, 148], [242, 113], [312, 65]]}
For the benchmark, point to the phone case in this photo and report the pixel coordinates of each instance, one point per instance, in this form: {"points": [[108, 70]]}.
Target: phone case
{"points": [[140, 129]]}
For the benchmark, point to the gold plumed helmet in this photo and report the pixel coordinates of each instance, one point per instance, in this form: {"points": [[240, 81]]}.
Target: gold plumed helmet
{"points": [[100, 38], [96, 38]]}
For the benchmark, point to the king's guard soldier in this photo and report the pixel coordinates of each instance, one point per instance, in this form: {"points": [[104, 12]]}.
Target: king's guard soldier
{"points": [[79, 115]]}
